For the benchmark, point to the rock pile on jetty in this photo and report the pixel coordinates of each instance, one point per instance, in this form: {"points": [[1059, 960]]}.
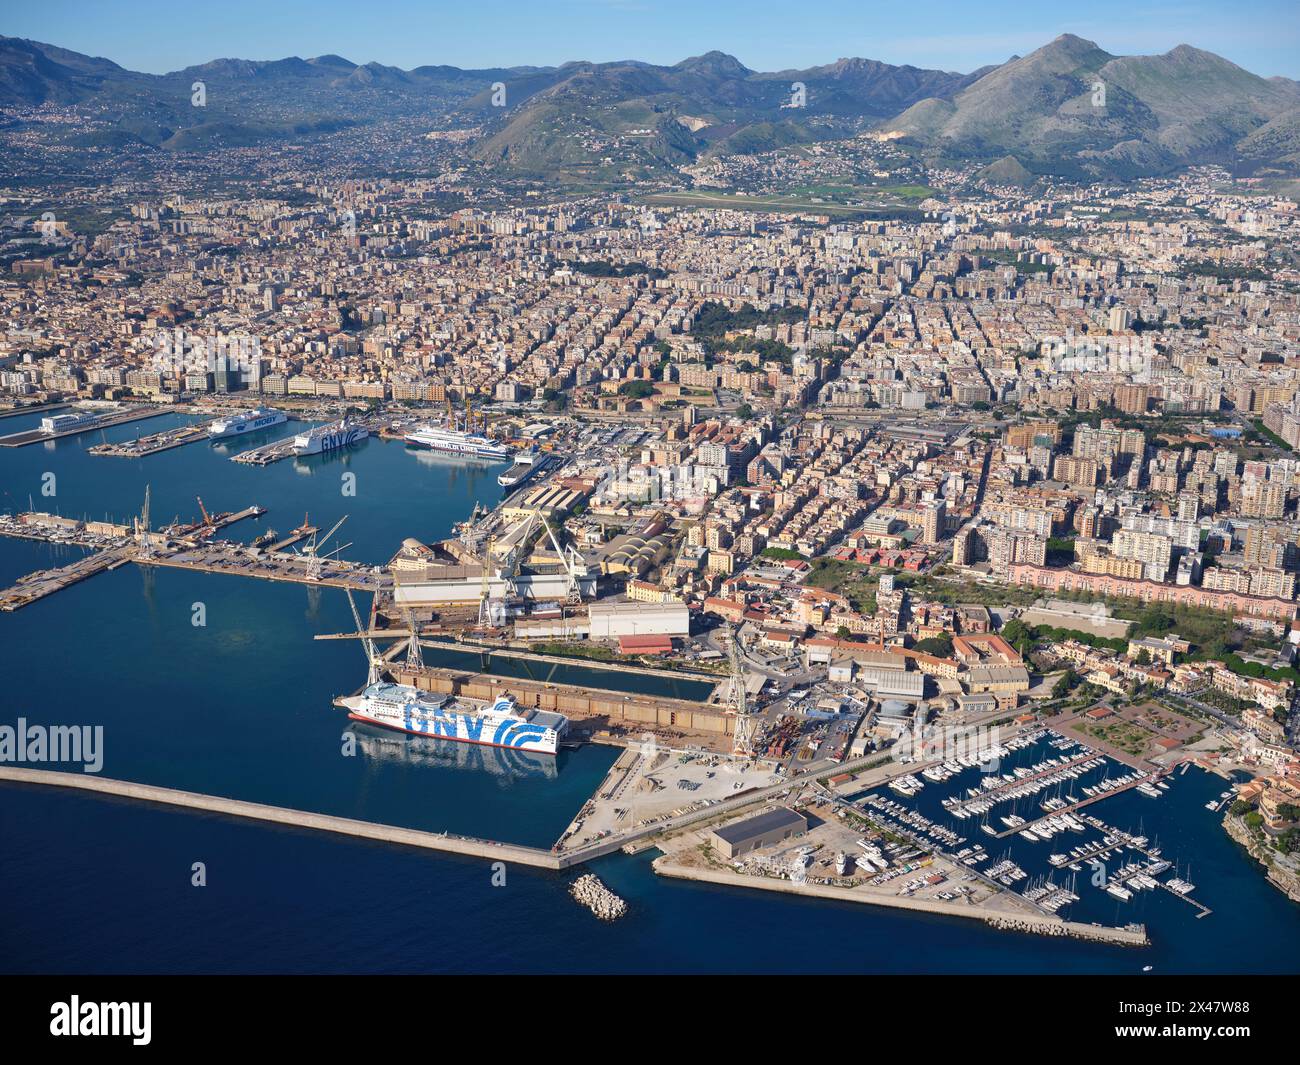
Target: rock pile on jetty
{"points": [[589, 891]]}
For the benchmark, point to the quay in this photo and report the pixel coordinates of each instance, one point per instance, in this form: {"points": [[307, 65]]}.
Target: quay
{"points": [[1021, 922], [107, 421], [115, 545], [616, 710], [154, 442], [266, 454], [241, 561], [43, 583], [36, 408]]}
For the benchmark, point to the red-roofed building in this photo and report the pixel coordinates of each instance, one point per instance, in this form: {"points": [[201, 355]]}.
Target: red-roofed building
{"points": [[645, 645]]}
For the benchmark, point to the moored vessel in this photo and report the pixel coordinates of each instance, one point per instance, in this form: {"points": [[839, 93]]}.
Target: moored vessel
{"points": [[497, 724], [456, 442], [331, 437], [247, 422]]}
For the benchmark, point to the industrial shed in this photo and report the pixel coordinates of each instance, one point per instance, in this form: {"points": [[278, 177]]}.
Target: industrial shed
{"points": [[762, 830]]}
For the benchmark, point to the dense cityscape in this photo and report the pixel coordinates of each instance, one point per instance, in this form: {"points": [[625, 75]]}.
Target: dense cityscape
{"points": [[811, 478]]}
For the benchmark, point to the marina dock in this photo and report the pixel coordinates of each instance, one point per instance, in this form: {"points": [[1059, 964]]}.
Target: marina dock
{"points": [[108, 421], [1070, 808]]}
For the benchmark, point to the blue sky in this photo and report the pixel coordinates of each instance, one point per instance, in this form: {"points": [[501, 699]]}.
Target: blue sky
{"points": [[161, 35]]}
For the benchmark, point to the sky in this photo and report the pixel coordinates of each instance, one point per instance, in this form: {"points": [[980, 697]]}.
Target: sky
{"points": [[161, 35]]}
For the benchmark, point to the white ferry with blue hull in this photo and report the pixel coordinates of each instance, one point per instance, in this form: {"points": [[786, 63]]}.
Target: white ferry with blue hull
{"points": [[421, 713], [332, 437], [250, 422]]}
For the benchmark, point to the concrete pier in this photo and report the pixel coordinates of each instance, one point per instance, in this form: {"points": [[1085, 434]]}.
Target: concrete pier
{"points": [[107, 421], [38, 586], [1019, 922], [346, 826]]}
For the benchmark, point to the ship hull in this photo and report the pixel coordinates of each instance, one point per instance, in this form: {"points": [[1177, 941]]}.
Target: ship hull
{"points": [[246, 427], [335, 441], [454, 442], [452, 449], [395, 727]]}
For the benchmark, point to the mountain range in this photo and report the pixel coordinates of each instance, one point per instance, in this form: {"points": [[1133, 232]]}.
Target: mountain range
{"points": [[1069, 108]]}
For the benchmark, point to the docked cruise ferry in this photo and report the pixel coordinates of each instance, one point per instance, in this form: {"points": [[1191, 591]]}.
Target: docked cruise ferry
{"points": [[329, 438], [455, 442], [501, 724], [238, 424]]}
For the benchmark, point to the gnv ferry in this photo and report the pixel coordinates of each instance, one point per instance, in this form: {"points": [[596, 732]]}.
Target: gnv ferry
{"points": [[502, 724], [329, 438]]}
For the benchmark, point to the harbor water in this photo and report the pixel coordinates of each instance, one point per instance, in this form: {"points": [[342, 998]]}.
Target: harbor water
{"points": [[241, 706]]}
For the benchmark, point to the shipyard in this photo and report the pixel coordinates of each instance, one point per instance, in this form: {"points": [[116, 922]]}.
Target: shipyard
{"points": [[528, 629], [686, 513]]}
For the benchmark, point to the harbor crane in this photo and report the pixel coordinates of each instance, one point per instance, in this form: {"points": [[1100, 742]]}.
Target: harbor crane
{"points": [[373, 657], [569, 559], [743, 739], [490, 611], [143, 533], [312, 551], [414, 659]]}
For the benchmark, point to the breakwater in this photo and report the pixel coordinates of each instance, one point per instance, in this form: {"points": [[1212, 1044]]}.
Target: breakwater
{"points": [[409, 837], [1038, 925]]}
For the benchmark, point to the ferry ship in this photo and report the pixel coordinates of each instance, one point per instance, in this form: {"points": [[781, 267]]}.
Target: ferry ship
{"points": [[238, 424], [329, 438], [527, 465], [455, 442], [501, 724]]}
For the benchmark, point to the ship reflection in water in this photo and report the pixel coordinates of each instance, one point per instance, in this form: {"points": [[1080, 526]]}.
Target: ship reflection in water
{"points": [[447, 754]]}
